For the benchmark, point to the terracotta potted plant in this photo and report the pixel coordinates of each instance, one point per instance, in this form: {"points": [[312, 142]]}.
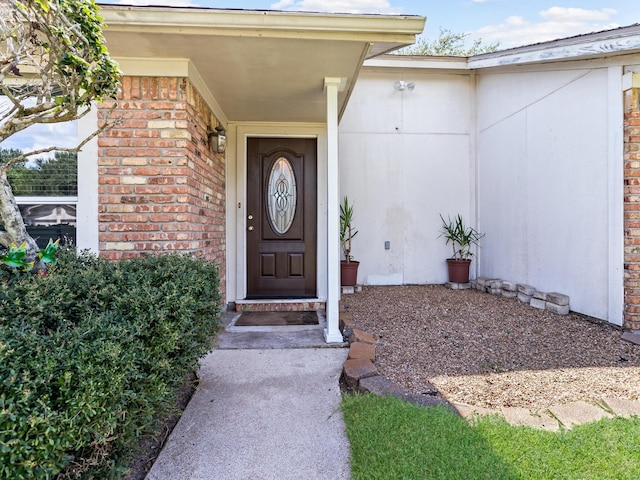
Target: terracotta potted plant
{"points": [[462, 238], [348, 266]]}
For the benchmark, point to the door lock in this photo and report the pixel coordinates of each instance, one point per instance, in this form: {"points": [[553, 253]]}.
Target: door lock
{"points": [[250, 217]]}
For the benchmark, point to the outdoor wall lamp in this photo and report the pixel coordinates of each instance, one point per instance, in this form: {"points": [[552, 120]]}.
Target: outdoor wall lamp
{"points": [[217, 139], [401, 85]]}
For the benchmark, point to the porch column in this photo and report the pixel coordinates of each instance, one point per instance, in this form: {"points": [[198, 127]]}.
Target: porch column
{"points": [[631, 83], [332, 333]]}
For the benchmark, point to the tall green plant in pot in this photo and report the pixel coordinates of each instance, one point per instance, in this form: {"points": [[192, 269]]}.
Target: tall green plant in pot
{"points": [[348, 266], [462, 238]]}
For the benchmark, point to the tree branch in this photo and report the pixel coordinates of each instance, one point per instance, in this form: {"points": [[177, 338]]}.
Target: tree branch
{"points": [[106, 125]]}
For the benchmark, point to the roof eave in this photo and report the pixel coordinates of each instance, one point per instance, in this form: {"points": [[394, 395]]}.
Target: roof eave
{"points": [[624, 40], [392, 31]]}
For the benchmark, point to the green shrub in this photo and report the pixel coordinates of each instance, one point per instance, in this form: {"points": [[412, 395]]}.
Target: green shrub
{"points": [[91, 353]]}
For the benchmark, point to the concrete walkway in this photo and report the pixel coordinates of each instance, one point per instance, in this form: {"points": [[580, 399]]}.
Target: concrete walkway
{"points": [[269, 413]]}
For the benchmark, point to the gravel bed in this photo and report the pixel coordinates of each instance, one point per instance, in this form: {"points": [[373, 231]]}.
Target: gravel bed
{"points": [[490, 351]]}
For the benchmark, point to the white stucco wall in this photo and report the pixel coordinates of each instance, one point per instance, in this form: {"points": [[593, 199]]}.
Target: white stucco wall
{"points": [[405, 157], [531, 155], [544, 180]]}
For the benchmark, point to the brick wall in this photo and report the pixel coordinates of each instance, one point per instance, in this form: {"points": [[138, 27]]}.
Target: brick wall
{"points": [[632, 209], [160, 187]]}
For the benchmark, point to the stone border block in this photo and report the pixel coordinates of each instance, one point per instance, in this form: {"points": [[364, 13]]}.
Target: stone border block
{"points": [[538, 303], [356, 369], [577, 413], [523, 416], [380, 386], [509, 293], [559, 309], [358, 335], [509, 286], [526, 289], [524, 298], [558, 298], [540, 295], [623, 407], [362, 350], [631, 337], [346, 322]]}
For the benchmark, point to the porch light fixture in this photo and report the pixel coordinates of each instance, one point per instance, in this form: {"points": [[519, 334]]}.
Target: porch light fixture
{"points": [[401, 85], [217, 139]]}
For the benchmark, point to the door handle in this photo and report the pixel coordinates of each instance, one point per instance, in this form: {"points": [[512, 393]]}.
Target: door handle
{"points": [[250, 217], [250, 228]]}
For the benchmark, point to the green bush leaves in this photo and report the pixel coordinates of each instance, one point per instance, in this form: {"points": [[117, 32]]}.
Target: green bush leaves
{"points": [[91, 353]]}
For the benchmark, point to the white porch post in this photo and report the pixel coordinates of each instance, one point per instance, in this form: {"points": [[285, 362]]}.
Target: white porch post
{"points": [[332, 332]]}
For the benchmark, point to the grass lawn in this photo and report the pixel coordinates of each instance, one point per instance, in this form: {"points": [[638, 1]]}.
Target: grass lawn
{"points": [[392, 439]]}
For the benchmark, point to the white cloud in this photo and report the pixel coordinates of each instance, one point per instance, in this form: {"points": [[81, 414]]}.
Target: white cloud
{"points": [[39, 136], [554, 23], [36, 137], [338, 6], [159, 3], [559, 14], [282, 4]]}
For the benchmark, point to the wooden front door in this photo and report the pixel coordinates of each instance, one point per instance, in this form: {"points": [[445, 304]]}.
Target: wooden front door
{"points": [[281, 224]]}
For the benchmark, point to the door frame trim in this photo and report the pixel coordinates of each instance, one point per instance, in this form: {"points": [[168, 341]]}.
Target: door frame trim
{"points": [[237, 270]]}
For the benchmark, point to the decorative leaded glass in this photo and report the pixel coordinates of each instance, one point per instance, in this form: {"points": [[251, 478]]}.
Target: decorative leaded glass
{"points": [[281, 195]]}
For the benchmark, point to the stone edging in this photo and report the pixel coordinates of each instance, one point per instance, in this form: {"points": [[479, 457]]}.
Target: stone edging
{"points": [[553, 301], [361, 375]]}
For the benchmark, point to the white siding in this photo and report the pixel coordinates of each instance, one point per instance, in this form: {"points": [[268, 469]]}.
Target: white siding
{"points": [[404, 158], [543, 182], [534, 153]]}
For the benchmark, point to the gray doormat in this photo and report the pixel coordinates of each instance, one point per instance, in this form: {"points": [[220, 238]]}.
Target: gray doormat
{"points": [[268, 319]]}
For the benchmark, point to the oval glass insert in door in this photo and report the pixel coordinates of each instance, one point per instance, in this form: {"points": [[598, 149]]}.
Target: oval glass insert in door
{"points": [[281, 195]]}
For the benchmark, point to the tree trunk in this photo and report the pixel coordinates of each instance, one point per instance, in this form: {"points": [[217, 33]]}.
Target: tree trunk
{"points": [[15, 231]]}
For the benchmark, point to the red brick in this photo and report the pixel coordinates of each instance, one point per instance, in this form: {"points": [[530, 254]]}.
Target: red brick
{"points": [[161, 217], [168, 191]]}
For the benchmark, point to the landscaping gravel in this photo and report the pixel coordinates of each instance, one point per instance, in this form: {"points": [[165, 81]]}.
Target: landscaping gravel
{"points": [[490, 351]]}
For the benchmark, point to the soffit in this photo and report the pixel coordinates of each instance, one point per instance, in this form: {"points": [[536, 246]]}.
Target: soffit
{"points": [[259, 66]]}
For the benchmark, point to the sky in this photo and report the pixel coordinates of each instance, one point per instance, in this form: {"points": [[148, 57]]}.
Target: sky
{"points": [[512, 23]]}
